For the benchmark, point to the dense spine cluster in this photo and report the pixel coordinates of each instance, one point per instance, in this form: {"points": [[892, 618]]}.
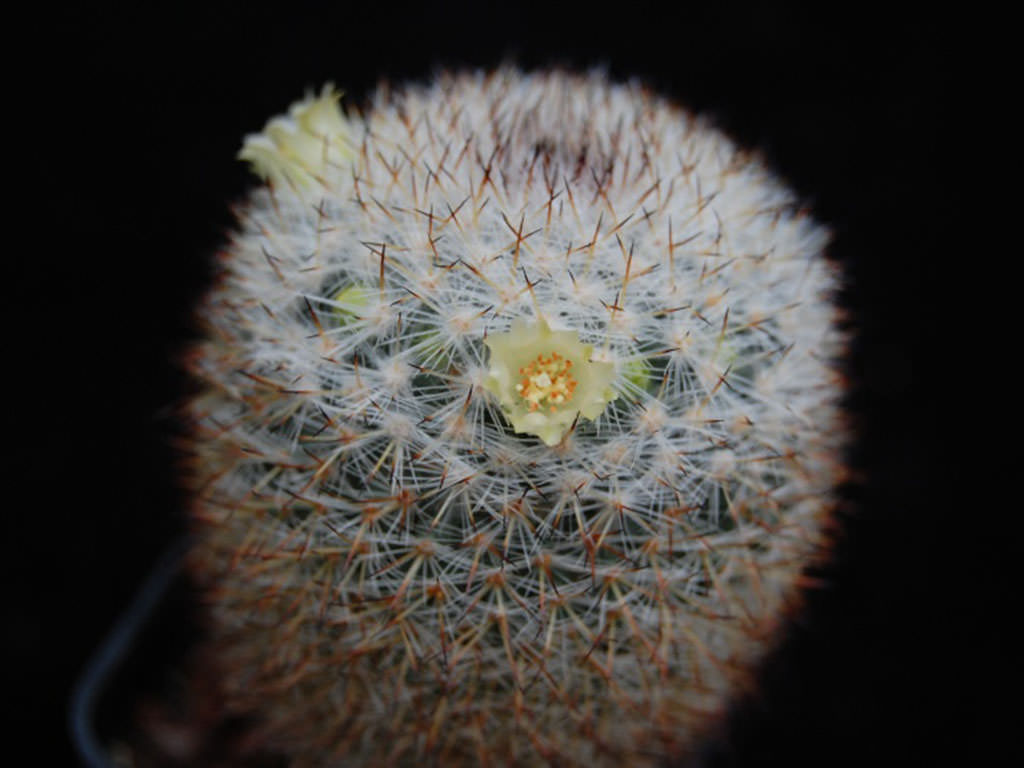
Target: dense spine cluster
{"points": [[396, 573]]}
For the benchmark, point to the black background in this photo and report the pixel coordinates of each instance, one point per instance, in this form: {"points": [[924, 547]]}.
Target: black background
{"points": [[129, 145]]}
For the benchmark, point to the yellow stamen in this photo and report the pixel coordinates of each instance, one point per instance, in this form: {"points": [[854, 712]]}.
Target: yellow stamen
{"points": [[546, 381]]}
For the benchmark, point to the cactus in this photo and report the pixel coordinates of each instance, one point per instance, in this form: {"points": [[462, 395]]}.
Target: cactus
{"points": [[518, 425]]}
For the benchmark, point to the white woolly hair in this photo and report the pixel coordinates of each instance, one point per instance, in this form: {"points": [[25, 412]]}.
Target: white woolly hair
{"points": [[393, 571]]}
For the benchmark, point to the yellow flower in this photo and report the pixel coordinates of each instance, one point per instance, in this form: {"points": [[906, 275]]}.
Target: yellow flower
{"points": [[543, 379], [298, 148]]}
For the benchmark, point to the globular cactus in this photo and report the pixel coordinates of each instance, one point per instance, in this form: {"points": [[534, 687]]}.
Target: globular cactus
{"points": [[518, 425]]}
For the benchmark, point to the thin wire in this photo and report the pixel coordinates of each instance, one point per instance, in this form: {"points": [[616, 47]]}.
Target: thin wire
{"points": [[111, 653]]}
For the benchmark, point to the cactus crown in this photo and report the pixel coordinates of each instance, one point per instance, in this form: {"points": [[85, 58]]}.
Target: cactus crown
{"points": [[519, 424]]}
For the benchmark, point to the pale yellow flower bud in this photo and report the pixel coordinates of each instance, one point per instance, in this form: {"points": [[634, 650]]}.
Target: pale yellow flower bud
{"points": [[302, 147]]}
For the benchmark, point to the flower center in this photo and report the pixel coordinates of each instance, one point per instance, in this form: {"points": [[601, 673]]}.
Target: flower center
{"points": [[546, 382]]}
